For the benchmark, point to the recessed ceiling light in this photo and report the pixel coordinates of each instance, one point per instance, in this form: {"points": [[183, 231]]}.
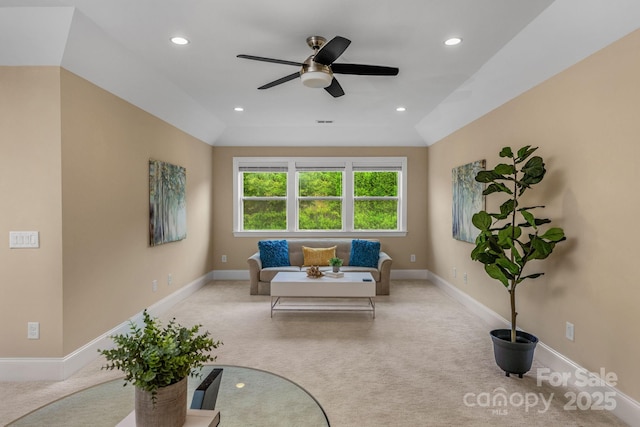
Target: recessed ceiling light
{"points": [[401, 109], [239, 109], [179, 40], [240, 385], [453, 41]]}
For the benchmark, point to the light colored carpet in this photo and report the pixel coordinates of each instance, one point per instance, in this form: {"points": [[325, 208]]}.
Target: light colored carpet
{"points": [[411, 366]]}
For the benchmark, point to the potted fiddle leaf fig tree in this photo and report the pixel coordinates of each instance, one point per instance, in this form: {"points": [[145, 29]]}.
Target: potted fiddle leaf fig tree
{"points": [[157, 360], [508, 241]]}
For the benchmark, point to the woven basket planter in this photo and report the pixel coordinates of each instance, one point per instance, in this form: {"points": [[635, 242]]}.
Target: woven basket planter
{"points": [[170, 409]]}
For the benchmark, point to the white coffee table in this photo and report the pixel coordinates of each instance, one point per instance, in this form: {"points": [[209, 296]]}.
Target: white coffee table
{"points": [[298, 285]]}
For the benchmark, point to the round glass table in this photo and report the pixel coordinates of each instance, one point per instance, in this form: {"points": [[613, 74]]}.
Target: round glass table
{"points": [[246, 397]]}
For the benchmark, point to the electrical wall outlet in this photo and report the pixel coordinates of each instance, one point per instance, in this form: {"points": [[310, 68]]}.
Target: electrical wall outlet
{"points": [[455, 272], [413, 258], [224, 258], [33, 330], [154, 285], [465, 278], [169, 280], [569, 331]]}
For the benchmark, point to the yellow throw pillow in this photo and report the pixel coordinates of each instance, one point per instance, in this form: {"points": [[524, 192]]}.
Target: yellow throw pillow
{"points": [[318, 256]]}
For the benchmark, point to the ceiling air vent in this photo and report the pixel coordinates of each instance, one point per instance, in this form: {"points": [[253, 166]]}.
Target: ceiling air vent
{"points": [[324, 122]]}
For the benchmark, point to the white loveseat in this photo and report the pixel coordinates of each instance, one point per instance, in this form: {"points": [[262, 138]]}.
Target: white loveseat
{"points": [[260, 277]]}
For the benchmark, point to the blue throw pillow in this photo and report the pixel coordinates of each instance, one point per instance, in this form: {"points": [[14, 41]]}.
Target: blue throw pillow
{"points": [[274, 253], [364, 253]]}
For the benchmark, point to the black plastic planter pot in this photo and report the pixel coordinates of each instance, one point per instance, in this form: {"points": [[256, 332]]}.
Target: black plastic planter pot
{"points": [[513, 357]]}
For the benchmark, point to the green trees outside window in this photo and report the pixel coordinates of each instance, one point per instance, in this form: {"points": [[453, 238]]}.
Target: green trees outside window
{"points": [[320, 200], [353, 197], [264, 200], [376, 200]]}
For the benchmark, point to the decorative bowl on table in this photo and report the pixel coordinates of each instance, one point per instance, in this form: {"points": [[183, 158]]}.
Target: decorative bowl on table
{"points": [[314, 272]]}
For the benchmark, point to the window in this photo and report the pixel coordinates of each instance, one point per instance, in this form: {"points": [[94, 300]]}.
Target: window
{"points": [[319, 195], [375, 200], [264, 200], [304, 196]]}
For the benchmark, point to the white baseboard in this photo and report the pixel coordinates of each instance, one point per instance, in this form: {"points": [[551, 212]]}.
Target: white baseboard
{"points": [[409, 274], [626, 408], [231, 275], [58, 369], [490, 317]]}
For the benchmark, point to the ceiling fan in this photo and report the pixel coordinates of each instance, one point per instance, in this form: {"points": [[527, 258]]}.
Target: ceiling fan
{"points": [[318, 69]]}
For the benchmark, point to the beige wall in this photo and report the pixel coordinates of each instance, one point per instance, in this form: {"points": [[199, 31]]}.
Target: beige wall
{"points": [[238, 249], [77, 171], [30, 200], [585, 121]]}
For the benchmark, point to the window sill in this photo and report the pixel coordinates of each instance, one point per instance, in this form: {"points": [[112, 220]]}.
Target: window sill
{"points": [[320, 234]]}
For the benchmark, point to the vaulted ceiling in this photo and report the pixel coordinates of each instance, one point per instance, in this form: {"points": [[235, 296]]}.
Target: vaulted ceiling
{"points": [[123, 46]]}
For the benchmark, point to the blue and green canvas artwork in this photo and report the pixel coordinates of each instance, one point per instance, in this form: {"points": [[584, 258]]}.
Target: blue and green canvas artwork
{"points": [[167, 202], [467, 200]]}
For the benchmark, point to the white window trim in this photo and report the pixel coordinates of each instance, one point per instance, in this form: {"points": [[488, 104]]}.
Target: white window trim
{"points": [[347, 163]]}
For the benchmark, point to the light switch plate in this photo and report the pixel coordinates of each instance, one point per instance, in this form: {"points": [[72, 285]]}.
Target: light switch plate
{"points": [[24, 239]]}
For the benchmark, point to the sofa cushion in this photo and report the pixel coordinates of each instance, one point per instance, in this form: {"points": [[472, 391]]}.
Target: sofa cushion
{"points": [[364, 253], [274, 253], [318, 256], [296, 257], [267, 274]]}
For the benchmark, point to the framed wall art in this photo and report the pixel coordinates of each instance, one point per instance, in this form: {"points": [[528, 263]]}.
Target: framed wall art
{"points": [[167, 203], [467, 199]]}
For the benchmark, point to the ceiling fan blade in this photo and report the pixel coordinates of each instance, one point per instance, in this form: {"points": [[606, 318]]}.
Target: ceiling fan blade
{"points": [[364, 70], [334, 88], [331, 50], [281, 80], [275, 61]]}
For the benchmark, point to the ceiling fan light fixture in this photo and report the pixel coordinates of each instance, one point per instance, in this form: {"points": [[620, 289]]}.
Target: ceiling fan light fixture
{"points": [[316, 79], [315, 75], [317, 72]]}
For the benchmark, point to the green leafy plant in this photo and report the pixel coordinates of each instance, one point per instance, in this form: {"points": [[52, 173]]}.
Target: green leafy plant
{"points": [[509, 239], [335, 262], [157, 356]]}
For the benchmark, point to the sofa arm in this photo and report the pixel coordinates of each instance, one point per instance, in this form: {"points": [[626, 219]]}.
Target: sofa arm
{"points": [[255, 265], [384, 266]]}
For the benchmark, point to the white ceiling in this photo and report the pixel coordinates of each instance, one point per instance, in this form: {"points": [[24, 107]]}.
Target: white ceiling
{"points": [[123, 46]]}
